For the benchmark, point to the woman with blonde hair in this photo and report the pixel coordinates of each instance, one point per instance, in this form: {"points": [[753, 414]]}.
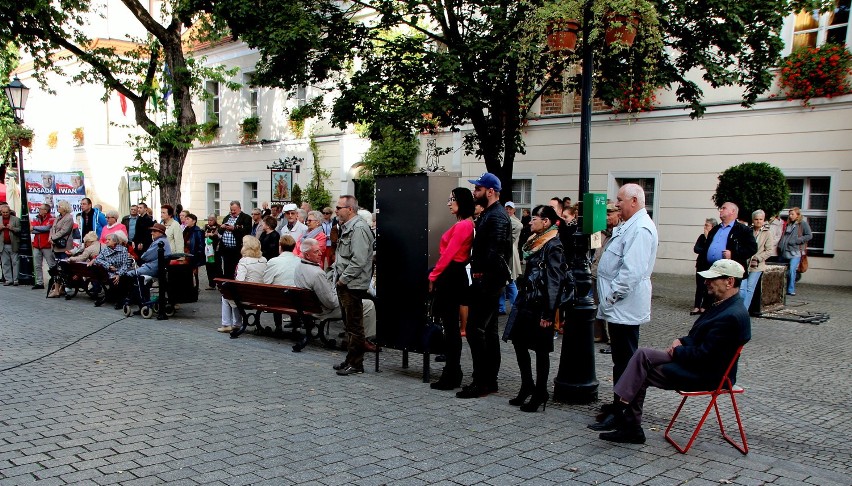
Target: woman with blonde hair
{"points": [[60, 239], [250, 268], [792, 245]]}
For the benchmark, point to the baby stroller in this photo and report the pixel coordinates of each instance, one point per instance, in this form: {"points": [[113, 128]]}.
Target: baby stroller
{"points": [[176, 285]]}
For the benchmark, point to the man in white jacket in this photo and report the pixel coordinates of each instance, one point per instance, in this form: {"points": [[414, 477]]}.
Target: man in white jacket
{"points": [[624, 283]]}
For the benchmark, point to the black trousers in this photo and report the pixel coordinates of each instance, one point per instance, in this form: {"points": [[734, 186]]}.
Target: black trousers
{"points": [[451, 289], [230, 258], [482, 335], [624, 341]]}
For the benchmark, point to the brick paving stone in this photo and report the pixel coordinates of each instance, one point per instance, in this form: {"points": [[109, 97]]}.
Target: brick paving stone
{"points": [[153, 396]]}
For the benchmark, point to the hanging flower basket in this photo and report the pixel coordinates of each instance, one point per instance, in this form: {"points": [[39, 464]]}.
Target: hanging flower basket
{"points": [[26, 142], [621, 28], [562, 35], [814, 72]]}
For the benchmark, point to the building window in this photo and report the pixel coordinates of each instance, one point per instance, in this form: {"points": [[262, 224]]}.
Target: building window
{"points": [[522, 195], [811, 194], [301, 95], [250, 195], [252, 93], [212, 88], [213, 198], [648, 182], [812, 29]]}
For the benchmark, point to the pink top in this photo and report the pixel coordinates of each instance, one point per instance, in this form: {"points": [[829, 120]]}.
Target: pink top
{"points": [[320, 237], [108, 230], [455, 246]]}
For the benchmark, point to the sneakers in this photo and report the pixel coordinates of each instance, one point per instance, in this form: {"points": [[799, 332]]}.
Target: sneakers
{"points": [[225, 329], [340, 366], [351, 370]]}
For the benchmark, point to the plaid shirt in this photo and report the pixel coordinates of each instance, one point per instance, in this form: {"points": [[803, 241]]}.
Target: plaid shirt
{"points": [[228, 236], [114, 257]]}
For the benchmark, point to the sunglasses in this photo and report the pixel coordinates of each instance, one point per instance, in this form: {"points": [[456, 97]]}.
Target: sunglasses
{"points": [[326, 212], [342, 207]]}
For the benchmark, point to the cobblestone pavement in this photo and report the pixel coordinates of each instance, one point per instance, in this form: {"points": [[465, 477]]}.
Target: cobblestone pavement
{"points": [[89, 397]]}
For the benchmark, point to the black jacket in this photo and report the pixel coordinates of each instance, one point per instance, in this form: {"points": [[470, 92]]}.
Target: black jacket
{"points": [[143, 232], [741, 244], [492, 247], [709, 347]]}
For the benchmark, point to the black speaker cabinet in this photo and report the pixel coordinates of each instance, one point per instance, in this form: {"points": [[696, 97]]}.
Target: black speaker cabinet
{"points": [[411, 216]]}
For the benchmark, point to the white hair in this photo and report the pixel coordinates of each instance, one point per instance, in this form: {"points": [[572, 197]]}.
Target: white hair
{"points": [[634, 190], [758, 214], [308, 244], [367, 216]]}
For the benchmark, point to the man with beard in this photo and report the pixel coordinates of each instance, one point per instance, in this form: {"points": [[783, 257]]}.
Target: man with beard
{"points": [[490, 271]]}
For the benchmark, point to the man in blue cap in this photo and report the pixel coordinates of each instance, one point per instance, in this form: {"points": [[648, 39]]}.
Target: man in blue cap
{"points": [[489, 268]]}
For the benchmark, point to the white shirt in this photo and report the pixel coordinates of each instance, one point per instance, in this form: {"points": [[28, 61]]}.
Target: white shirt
{"points": [[298, 230], [281, 270], [624, 271]]}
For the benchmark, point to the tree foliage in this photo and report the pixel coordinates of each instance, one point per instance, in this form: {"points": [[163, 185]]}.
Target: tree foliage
{"points": [[393, 152], [472, 62], [146, 70], [752, 186]]}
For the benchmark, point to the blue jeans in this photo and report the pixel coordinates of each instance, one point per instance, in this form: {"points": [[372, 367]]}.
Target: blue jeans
{"points": [[510, 292], [747, 287], [791, 274]]}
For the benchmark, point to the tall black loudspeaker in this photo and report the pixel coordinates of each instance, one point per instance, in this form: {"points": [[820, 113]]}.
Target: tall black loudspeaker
{"points": [[412, 214]]}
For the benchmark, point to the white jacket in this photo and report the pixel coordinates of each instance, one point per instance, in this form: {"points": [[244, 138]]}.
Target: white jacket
{"points": [[251, 269], [624, 271]]}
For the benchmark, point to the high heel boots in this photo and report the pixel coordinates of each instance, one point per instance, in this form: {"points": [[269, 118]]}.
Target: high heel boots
{"points": [[538, 398], [523, 394]]}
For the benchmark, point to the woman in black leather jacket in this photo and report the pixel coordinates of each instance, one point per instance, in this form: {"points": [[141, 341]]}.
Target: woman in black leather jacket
{"points": [[545, 285]]}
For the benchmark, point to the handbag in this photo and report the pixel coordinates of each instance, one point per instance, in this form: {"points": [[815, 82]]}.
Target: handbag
{"points": [[803, 263], [60, 242], [433, 332]]}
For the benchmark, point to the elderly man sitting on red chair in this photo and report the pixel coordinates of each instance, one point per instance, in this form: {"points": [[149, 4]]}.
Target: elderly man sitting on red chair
{"points": [[692, 363]]}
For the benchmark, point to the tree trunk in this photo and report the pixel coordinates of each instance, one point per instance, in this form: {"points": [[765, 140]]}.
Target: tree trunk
{"points": [[171, 174]]}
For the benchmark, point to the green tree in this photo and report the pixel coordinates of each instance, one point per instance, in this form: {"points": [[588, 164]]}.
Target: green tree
{"points": [[752, 186], [144, 71], [446, 64], [393, 152]]}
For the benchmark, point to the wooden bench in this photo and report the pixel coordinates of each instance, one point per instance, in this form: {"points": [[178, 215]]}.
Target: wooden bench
{"points": [[77, 276], [302, 305]]}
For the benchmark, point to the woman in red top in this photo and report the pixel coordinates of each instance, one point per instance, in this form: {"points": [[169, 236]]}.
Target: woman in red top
{"points": [[449, 281]]}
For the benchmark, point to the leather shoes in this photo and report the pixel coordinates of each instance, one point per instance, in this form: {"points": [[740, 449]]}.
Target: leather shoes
{"points": [[606, 409], [351, 370], [475, 390], [608, 423], [627, 435], [38, 287], [340, 366]]}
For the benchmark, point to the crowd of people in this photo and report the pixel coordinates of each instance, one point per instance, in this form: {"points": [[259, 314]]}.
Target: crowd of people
{"points": [[752, 247], [490, 263]]}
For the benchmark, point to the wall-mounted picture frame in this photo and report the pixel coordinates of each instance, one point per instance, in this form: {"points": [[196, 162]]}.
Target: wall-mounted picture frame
{"points": [[282, 184]]}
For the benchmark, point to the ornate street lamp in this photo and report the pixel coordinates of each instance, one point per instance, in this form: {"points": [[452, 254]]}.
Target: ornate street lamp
{"points": [[17, 95], [576, 381]]}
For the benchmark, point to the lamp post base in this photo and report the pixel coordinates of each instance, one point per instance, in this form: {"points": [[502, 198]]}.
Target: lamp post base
{"points": [[581, 393]]}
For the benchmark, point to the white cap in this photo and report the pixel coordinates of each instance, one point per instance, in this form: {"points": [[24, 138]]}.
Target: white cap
{"points": [[724, 268], [289, 207], [510, 204]]}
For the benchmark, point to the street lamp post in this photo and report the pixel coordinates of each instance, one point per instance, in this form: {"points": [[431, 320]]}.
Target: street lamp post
{"points": [[17, 95], [576, 381]]}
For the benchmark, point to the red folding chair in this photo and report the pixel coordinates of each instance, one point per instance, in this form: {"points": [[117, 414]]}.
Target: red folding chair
{"points": [[725, 388]]}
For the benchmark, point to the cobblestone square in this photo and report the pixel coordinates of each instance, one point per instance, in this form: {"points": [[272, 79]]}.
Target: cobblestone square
{"points": [[88, 396]]}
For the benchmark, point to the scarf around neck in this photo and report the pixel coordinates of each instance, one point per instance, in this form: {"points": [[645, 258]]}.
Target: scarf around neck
{"points": [[537, 241]]}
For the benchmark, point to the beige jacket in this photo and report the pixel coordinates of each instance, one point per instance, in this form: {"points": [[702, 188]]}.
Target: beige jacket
{"points": [[765, 248]]}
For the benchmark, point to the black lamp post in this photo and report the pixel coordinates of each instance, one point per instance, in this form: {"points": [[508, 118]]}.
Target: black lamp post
{"points": [[576, 381], [17, 95]]}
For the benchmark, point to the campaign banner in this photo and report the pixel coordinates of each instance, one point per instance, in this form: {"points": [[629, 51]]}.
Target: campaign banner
{"points": [[48, 187]]}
